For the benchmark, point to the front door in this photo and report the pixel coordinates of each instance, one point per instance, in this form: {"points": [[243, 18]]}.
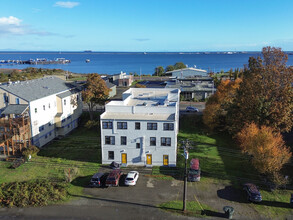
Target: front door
{"points": [[124, 158], [165, 160], [149, 159]]}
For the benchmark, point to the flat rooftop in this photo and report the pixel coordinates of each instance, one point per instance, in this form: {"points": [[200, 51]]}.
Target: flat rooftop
{"points": [[145, 116]]}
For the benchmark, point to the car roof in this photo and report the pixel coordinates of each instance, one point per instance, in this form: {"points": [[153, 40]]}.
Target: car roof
{"points": [[131, 173], [252, 187], [97, 175]]}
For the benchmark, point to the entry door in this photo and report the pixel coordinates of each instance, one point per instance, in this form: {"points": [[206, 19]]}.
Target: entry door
{"points": [[149, 159], [165, 160], [124, 158]]}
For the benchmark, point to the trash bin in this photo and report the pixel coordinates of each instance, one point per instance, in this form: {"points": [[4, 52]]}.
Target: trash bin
{"points": [[291, 201], [228, 211]]}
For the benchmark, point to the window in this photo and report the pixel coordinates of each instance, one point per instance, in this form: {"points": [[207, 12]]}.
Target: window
{"points": [[107, 125], [121, 125], [46, 136], [49, 106], [152, 126], [6, 98], [17, 101], [36, 110], [64, 101], [110, 140], [41, 128], [50, 133], [44, 107], [152, 141], [51, 122], [63, 120], [137, 145], [168, 126], [123, 140], [68, 126], [110, 155], [165, 141], [137, 125]]}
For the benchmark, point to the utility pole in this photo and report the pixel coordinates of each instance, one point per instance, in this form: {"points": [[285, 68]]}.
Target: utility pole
{"points": [[185, 175]]}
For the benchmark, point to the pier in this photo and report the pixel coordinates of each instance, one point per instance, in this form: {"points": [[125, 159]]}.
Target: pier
{"points": [[35, 61]]}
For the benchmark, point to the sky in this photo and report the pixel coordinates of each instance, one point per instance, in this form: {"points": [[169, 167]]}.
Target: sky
{"points": [[145, 25]]}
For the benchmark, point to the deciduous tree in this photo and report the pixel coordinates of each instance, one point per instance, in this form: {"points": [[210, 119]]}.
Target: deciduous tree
{"points": [[179, 65], [216, 107], [265, 96], [159, 71], [95, 93], [266, 147]]}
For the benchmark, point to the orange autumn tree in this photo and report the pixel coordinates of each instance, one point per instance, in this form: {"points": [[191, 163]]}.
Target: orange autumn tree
{"points": [[95, 93], [266, 147], [217, 105]]}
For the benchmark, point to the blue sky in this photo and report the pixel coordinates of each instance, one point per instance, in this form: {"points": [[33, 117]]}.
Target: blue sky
{"points": [[146, 25]]}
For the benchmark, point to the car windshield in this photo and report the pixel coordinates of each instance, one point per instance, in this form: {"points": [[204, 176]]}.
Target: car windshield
{"points": [[129, 178], [111, 179], [95, 179]]}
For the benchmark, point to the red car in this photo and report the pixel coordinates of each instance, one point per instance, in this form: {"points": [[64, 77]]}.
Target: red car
{"points": [[113, 178]]}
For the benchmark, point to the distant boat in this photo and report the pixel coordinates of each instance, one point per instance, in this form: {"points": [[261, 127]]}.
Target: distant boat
{"points": [[87, 60], [144, 53], [88, 51]]}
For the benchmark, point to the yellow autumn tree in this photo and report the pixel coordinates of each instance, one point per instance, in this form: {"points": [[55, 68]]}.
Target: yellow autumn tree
{"points": [[95, 93], [267, 148]]}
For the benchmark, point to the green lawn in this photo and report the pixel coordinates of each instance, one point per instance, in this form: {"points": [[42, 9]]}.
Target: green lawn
{"points": [[80, 149], [192, 208], [222, 162]]}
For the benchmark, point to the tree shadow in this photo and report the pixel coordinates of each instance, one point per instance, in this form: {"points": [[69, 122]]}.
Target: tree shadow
{"points": [[275, 204], [232, 194], [82, 181]]}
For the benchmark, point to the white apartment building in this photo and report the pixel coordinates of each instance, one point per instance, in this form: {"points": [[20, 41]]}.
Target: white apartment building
{"points": [[142, 128], [53, 104]]}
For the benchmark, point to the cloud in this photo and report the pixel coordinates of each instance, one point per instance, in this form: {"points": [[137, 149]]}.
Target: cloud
{"points": [[66, 4], [12, 26], [10, 21], [142, 39]]}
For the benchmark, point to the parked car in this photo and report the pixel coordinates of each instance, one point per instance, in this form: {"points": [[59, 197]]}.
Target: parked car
{"points": [[131, 178], [113, 178], [194, 171], [97, 180], [191, 109], [253, 193], [115, 165]]}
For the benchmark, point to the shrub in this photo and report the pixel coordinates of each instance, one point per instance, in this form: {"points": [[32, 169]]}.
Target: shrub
{"points": [[32, 193], [31, 150], [70, 174]]}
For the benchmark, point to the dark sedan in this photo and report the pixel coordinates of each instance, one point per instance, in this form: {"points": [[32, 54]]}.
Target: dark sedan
{"points": [[252, 191]]}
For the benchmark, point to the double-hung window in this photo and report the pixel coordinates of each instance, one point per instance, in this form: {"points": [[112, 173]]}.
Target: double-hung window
{"points": [[152, 141], [121, 125], [107, 125], [137, 125], [123, 140], [110, 140], [165, 141], [168, 127], [152, 126]]}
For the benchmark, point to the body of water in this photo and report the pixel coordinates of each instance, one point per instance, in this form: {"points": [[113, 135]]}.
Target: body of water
{"points": [[144, 63]]}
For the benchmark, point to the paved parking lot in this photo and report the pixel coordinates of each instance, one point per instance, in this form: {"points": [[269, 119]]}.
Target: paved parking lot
{"points": [[140, 201]]}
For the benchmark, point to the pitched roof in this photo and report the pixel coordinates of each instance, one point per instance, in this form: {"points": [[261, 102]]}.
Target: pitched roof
{"points": [[68, 93], [14, 109], [110, 85], [189, 68], [38, 88]]}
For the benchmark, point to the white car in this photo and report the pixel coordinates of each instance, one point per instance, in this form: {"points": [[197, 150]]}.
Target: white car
{"points": [[131, 178]]}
